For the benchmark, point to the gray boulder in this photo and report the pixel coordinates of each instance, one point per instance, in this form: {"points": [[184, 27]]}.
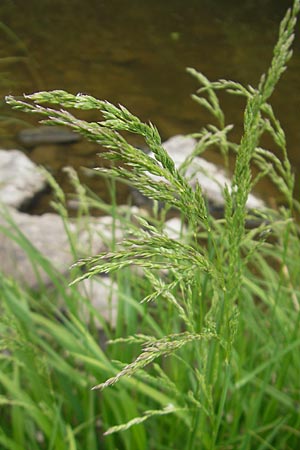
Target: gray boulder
{"points": [[20, 232], [31, 137], [20, 179]]}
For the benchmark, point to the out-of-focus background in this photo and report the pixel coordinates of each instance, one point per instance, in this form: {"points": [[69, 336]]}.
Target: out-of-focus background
{"points": [[135, 53]]}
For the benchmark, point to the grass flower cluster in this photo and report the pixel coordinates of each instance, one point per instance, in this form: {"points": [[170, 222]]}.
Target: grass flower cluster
{"points": [[205, 350]]}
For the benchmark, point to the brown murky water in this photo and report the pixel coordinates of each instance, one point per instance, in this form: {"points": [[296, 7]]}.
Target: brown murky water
{"points": [[135, 53]]}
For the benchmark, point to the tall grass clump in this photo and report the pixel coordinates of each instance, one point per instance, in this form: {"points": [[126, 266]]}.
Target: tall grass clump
{"points": [[205, 351]]}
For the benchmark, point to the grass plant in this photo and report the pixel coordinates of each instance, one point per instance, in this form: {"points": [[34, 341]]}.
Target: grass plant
{"points": [[205, 351]]}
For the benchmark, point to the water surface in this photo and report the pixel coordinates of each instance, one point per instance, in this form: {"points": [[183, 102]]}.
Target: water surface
{"points": [[135, 53]]}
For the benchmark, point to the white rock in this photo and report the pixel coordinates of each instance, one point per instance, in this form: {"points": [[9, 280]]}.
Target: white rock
{"points": [[174, 229], [102, 293], [211, 178], [47, 234], [20, 179]]}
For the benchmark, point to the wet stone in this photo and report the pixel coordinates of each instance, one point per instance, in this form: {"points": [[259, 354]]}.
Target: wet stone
{"points": [[47, 135]]}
